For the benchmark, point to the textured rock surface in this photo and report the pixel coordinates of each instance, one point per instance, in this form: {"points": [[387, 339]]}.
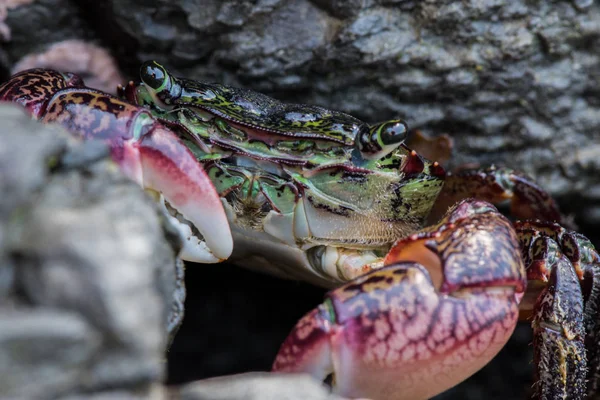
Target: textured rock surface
{"points": [[35, 25], [87, 274]]}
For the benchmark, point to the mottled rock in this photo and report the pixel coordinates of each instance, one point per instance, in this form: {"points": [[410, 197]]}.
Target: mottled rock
{"points": [[44, 351], [19, 153], [89, 270], [35, 25], [22, 149]]}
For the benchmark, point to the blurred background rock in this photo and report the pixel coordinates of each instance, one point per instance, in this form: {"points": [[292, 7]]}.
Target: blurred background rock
{"points": [[514, 83]]}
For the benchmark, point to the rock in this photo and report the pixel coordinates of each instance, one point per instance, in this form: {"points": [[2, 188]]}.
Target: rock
{"points": [[255, 386], [44, 350], [53, 34], [90, 279], [23, 149], [35, 25], [18, 153]]}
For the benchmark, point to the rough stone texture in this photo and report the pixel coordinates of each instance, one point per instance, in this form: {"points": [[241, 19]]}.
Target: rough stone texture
{"points": [[53, 34], [35, 25], [87, 272]]}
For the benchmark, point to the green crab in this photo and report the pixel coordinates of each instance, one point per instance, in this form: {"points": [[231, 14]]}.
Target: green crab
{"points": [[318, 195], [310, 193]]}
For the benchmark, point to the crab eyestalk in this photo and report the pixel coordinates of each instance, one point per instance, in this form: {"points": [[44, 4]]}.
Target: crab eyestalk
{"points": [[441, 308], [164, 87], [379, 140], [148, 152]]}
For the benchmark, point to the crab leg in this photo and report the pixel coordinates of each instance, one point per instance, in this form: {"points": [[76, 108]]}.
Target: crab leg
{"points": [[413, 329], [565, 266], [591, 315], [560, 356], [497, 185], [585, 258]]}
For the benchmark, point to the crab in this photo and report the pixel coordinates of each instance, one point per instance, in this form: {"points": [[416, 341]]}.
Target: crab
{"points": [[308, 193]]}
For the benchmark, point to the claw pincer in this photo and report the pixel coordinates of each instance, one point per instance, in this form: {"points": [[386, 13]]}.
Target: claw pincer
{"points": [[147, 152], [442, 307]]}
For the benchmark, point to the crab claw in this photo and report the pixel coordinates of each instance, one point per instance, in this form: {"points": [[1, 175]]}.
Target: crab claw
{"points": [[151, 155], [441, 308], [148, 152], [159, 161]]}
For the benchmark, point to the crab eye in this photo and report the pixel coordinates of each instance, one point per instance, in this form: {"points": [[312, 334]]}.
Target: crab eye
{"points": [[154, 75], [392, 132], [379, 140]]}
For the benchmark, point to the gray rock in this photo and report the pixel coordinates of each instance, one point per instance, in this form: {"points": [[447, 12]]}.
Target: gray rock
{"points": [[110, 263], [156, 393], [23, 149], [53, 20], [91, 284], [44, 351], [256, 386]]}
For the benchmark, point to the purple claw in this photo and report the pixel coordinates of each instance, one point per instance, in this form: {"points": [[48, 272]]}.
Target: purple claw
{"points": [[435, 315]]}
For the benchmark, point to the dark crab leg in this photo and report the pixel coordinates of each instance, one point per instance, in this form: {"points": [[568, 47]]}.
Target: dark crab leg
{"points": [[566, 312], [497, 185], [147, 151], [560, 357], [558, 336], [591, 293], [415, 328]]}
